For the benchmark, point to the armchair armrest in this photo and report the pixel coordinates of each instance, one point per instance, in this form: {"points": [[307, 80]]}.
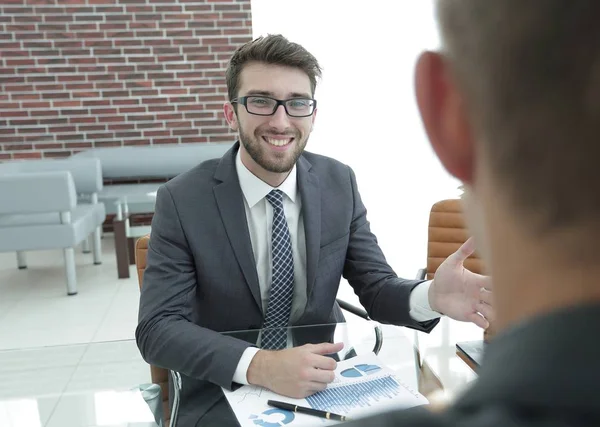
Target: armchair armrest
{"points": [[363, 314], [177, 386], [353, 309], [37, 192]]}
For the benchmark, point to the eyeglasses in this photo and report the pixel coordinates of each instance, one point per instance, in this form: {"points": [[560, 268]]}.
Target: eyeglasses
{"points": [[265, 106]]}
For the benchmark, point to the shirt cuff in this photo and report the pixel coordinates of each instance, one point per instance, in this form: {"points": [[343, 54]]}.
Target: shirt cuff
{"points": [[240, 374], [420, 310]]}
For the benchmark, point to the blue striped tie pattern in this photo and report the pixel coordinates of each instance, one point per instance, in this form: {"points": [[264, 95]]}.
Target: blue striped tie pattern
{"points": [[282, 284]]}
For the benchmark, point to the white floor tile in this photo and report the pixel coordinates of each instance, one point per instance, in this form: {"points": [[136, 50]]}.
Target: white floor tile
{"points": [[35, 310], [27, 412], [110, 352], [122, 316], [102, 408], [36, 382], [38, 372], [109, 376], [40, 358], [6, 306], [53, 321], [110, 365]]}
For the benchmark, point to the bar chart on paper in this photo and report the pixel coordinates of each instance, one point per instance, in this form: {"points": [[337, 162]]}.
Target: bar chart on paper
{"points": [[343, 399], [363, 385]]}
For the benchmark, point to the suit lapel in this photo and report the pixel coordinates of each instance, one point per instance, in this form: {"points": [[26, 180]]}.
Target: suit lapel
{"points": [[229, 199], [310, 192]]}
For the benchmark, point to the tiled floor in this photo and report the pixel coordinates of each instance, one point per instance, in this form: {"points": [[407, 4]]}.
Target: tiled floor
{"points": [[36, 312], [62, 356], [49, 369]]}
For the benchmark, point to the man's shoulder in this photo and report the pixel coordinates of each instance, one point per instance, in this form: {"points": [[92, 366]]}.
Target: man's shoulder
{"points": [[196, 179], [492, 415], [320, 163], [415, 417]]}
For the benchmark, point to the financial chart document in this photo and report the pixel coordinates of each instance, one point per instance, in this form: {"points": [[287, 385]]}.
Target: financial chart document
{"points": [[363, 385]]}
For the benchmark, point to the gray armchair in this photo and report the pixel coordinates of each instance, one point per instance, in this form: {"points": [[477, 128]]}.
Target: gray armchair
{"points": [[40, 209]]}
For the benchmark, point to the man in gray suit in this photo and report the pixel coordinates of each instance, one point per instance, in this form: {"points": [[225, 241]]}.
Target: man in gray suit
{"points": [[512, 108], [261, 238]]}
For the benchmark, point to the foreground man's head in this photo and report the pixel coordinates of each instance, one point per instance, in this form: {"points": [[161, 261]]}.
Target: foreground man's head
{"points": [[511, 106]]}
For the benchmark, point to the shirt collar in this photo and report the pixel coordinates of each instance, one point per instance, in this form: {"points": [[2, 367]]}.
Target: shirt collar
{"points": [[254, 189]]}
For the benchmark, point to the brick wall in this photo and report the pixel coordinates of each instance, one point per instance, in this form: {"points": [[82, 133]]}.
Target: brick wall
{"points": [[79, 74]]}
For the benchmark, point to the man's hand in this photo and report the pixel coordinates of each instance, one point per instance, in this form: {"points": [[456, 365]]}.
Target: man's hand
{"points": [[295, 372], [459, 293]]}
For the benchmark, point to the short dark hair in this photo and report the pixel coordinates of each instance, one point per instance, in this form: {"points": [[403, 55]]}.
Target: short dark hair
{"points": [[272, 49], [530, 74]]}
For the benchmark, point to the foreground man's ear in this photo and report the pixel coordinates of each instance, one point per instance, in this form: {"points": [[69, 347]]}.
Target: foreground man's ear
{"points": [[444, 116]]}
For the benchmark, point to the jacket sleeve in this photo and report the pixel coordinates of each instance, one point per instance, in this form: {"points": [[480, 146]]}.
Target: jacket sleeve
{"points": [[167, 335], [384, 295]]}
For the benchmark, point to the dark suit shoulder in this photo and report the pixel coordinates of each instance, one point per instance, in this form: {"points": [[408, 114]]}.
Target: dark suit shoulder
{"points": [[332, 173], [492, 415], [320, 162], [416, 417], [198, 179]]}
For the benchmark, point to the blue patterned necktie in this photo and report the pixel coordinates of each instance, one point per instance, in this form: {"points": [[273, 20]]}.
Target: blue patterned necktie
{"points": [[282, 283]]}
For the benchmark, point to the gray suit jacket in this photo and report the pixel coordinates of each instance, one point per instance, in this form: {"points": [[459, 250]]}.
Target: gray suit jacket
{"points": [[545, 372], [201, 278]]}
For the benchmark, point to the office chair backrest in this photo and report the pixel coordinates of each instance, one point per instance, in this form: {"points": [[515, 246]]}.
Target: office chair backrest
{"points": [[447, 233], [159, 376]]}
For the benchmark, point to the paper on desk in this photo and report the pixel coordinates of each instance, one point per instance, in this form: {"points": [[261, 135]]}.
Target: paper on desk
{"points": [[362, 385]]}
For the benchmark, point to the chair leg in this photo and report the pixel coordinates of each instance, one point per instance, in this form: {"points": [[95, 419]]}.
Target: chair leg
{"points": [[121, 250], [176, 377], [70, 271], [86, 245], [21, 260], [131, 249], [96, 236]]}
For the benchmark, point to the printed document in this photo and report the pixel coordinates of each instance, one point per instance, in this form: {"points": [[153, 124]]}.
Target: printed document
{"points": [[362, 386]]}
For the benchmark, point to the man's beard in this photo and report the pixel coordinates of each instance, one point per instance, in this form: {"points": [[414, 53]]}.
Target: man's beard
{"points": [[256, 150]]}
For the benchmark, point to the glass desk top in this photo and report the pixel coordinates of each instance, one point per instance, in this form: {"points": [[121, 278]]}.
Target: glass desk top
{"points": [[101, 384]]}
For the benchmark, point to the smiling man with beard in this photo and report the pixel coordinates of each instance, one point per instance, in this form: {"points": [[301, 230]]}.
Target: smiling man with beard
{"points": [[261, 239]]}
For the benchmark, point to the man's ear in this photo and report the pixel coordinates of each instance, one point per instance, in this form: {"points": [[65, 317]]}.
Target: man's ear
{"points": [[444, 116], [230, 116]]}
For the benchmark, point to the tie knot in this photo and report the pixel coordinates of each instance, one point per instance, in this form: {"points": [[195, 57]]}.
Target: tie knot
{"points": [[275, 197]]}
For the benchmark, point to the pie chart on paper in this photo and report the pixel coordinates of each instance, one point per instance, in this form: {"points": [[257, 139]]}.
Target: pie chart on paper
{"points": [[361, 370]]}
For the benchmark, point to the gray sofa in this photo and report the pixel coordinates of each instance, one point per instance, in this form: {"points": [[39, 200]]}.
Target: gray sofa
{"points": [[154, 161], [41, 210], [127, 166]]}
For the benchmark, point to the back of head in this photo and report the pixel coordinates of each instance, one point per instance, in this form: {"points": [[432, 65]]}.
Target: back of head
{"points": [[530, 74]]}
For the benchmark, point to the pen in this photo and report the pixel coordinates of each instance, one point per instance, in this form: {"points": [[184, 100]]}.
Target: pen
{"points": [[308, 411]]}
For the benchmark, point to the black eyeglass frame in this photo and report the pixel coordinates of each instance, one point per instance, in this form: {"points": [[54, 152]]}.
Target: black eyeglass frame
{"points": [[243, 100]]}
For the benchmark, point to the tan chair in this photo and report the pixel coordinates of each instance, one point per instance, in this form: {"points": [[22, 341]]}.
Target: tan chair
{"points": [[447, 233], [159, 376]]}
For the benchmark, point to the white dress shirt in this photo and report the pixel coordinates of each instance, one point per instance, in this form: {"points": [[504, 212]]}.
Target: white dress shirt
{"points": [[259, 214]]}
